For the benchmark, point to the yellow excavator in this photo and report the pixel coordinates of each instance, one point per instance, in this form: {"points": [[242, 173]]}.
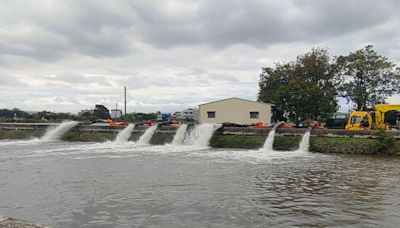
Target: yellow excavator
{"points": [[361, 120]]}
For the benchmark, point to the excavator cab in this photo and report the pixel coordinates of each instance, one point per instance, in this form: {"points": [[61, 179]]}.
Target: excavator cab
{"points": [[359, 121]]}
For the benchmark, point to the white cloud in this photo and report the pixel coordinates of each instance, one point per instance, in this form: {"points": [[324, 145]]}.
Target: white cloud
{"points": [[70, 55]]}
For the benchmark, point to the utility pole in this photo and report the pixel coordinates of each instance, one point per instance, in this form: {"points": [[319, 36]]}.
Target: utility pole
{"points": [[115, 113], [125, 98]]}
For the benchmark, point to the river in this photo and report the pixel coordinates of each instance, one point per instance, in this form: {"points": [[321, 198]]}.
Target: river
{"points": [[126, 185]]}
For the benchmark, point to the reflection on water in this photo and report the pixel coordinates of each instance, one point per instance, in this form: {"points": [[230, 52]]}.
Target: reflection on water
{"points": [[109, 185]]}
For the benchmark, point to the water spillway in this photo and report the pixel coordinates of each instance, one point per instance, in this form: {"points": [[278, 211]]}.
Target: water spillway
{"points": [[305, 141], [146, 137], [180, 135], [123, 136], [269, 142], [200, 136], [60, 130]]}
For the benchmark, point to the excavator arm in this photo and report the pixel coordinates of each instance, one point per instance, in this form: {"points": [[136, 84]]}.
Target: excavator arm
{"points": [[380, 111]]}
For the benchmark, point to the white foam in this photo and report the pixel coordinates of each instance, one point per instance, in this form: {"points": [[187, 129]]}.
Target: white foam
{"points": [[200, 136], [146, 137], [56, 133], [269, 142], [124, 135], [305, 142], [180, 135]]}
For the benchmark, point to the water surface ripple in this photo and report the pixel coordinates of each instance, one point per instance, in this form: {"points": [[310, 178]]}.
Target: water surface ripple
{"points": [[128, 185]]}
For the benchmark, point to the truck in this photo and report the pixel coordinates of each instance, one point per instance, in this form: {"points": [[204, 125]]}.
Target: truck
{"points": [[362, 120]]}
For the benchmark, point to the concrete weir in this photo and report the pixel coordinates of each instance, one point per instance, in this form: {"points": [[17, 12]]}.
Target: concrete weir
{"points": [[285, 139], [15, 223]]}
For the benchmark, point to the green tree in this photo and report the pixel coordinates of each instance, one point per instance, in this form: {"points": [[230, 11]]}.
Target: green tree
{"points": [[271, 79], [101, 112], [367, 78], [302, 89]]}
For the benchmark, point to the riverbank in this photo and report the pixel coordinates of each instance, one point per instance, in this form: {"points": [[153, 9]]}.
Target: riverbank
{"points": [[321, 141]]}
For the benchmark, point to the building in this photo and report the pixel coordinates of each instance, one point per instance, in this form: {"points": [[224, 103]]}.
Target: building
{"points": [[187, 114], [235, 110], [115, 113], [190, 113], [177, 115]]}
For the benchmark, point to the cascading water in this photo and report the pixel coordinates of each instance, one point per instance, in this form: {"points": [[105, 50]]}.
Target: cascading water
{"points": [[269, 142], [124, 135], [200, 136], [146, 137], [56, 133], [180, 135], [305, 141]]}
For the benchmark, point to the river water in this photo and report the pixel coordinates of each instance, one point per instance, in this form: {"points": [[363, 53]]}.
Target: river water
{"points": [[110, 185]]}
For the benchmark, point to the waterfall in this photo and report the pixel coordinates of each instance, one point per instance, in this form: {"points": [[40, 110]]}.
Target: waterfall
{"points": [[123, 136], [146, 137], [180, 135], [200, 136], [305, 141], [269, 142], [60, 130]]}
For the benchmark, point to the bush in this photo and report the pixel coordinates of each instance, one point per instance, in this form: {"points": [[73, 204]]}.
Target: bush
{"points": [[386, 142]]}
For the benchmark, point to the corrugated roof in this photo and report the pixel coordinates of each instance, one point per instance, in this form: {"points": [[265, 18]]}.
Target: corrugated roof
{"points": [[236, 98]]}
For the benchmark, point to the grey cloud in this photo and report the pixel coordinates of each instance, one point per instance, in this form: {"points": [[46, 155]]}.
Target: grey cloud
{"points": [[172, 52], [111, 29], [223, 23]]}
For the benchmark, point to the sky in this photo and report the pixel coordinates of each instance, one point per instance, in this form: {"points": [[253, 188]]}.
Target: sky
{"points": [[65, 56]]}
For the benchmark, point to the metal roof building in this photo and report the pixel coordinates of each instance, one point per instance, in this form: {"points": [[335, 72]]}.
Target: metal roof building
{"points": [[235, 110]]}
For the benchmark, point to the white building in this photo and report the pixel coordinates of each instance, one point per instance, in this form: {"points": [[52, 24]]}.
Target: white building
{"points": [[190, 113], [115, 113], [177, 115], [235, 110]]}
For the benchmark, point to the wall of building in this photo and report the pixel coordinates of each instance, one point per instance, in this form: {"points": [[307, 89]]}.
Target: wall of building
{"points": [[235, 110]]}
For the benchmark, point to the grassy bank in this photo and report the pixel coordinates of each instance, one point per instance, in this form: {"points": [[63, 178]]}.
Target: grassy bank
{"points": [[81, 136], [20, 134], [321, 144], [352, 146], [254, 141], [161, 138]]}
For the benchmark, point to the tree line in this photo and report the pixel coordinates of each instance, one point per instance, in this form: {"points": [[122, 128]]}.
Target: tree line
{"points": [[99, 113], [309, 86]]}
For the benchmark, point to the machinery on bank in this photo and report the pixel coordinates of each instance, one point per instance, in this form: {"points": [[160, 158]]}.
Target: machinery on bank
{"points": [[362, 120]]}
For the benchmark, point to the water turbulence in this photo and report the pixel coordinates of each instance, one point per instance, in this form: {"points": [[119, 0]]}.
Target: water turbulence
{"points": [[146, 137], [124, 135], [201, 134], [305, 141], [180, 135], [56, 133], [269, 142]]}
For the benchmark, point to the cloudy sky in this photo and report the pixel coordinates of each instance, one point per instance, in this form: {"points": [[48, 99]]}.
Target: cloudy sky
{"points": [[69, 55]]}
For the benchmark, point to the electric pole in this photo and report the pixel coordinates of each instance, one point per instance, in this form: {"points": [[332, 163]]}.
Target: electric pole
{"points": [[125, 98]]}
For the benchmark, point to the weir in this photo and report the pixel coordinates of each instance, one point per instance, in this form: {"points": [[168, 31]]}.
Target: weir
{"points": [[146, 137], [200, 136], [123, 136], [179, 137], [56, 133], [269, 142]]}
